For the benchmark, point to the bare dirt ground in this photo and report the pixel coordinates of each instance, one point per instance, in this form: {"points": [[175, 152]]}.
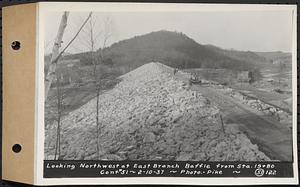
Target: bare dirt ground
{"points": [[273, 138]]}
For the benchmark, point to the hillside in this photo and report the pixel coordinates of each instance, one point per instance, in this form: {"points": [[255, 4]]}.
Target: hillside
{"points": [[275, 55], [170, 48], [245, 56], [151, 115]]}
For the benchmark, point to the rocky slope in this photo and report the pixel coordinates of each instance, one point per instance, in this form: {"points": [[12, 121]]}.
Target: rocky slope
{"points": [[150, 115]]}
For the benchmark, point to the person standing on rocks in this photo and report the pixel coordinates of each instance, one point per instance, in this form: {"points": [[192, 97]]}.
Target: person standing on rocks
{"points": [[175, 71]]}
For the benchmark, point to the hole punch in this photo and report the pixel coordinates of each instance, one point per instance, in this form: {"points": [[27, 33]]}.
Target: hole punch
{"points": [[15, 45], [16, 148]]}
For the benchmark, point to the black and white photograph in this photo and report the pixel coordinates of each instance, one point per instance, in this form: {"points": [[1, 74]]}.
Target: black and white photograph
{"points": [[169, 85]]}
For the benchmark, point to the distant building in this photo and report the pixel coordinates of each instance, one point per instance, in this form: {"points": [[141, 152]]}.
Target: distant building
{"points": [[245, 76], [69, 71], [276, 62], [69, 63]]}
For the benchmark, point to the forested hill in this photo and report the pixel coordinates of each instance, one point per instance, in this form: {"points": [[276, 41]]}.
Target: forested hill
{"points": [[245, 56], [171, 48], [276, 55]]}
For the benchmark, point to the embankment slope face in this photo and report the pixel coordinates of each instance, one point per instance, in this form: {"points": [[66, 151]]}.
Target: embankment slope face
{"points": [[150, 115]]}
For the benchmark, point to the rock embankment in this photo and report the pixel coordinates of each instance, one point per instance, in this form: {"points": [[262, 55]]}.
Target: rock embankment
{"points": [[150, 115]]}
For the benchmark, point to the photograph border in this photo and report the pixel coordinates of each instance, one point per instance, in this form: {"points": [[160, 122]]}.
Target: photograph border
{"points": [[87, 6]]}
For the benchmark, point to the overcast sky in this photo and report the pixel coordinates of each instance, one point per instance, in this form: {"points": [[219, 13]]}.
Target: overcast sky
{"points": [[247, 30]]}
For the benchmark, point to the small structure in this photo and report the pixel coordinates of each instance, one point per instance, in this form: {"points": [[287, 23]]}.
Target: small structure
{"points": [[276, 62], [245, 76], [69, 71]]}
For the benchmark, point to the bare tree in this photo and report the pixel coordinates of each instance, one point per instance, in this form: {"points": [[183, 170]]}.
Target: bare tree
{"points": [[97, 86], [60, 107], [53, 74], [106, 36], [281, 68], [55, 51], [96, 36]]}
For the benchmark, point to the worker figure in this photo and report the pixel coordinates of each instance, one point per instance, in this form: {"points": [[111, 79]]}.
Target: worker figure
{"points": [[175, 70]]}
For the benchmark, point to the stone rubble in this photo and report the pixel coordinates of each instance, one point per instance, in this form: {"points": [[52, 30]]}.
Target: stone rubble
{"points": [[150, 115]]}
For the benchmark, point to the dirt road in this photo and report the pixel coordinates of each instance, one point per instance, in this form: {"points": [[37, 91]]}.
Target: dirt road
{"points": [[273, 138]]}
